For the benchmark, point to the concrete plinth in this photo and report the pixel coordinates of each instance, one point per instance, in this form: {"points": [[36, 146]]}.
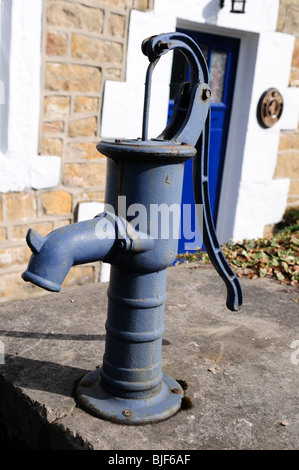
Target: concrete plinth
{"points": [[241, 369]]}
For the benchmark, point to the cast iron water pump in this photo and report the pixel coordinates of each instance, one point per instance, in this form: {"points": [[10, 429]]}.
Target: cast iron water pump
{"points": [[130, 387]]}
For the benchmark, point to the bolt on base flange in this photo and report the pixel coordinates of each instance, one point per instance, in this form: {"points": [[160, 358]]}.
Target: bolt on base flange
{"points": [[93, 398]]}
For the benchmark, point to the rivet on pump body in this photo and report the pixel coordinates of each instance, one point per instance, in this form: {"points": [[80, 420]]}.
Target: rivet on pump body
{"points": [[130, 387]]}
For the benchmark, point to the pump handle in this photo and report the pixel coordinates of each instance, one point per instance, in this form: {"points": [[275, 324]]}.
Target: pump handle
{"points": [[190, 124]]}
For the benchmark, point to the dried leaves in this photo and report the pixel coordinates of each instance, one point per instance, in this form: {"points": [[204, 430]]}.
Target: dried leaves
{"points": [[277, 257]]}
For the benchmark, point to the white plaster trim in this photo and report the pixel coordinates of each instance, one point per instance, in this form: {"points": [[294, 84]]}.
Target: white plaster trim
{"points": [[261, 15], [290, 118], [20, 165], [18, 174], [258, 200], [260, 203]]}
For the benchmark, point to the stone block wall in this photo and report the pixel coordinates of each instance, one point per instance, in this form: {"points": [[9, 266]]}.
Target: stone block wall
{"points": [[83, 44], [288, 155]]}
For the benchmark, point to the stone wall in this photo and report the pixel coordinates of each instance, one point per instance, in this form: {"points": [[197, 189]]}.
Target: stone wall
{"points": [[83, 44], [288, 155]]}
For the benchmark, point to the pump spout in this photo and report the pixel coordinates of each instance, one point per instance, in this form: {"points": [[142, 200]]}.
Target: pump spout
{"points": [[103, 238]]}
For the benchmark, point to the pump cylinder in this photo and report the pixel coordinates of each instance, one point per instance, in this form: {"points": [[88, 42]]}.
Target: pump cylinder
{"points": [[132, 365], [143, 186]]}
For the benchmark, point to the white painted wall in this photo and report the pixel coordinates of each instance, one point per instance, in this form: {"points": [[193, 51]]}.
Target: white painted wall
{"points": [[262, 199], [260, 15], [20, 165], [250, 197]]}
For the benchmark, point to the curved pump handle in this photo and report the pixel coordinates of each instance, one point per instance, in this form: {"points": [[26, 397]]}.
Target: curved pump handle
{"points": [[192, 103], [190, 124]]}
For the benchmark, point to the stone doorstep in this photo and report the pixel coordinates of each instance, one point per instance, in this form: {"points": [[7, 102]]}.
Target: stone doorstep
{"points": [[241, 368]]}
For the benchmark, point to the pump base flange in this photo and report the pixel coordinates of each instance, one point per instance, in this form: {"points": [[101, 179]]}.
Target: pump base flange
{"points": [[94, 399]]}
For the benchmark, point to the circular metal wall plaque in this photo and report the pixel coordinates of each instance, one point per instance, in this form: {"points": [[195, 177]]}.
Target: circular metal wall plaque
{"points": [[269, 108]]}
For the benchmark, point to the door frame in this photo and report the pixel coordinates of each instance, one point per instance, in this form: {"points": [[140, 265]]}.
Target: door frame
{"points": [[237, 131], [221, 111]]}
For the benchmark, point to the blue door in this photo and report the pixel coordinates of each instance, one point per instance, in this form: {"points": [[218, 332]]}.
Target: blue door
{"points": [[221, 54]]}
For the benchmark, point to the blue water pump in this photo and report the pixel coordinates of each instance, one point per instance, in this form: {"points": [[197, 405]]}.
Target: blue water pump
{"points": [[130, 387]]}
